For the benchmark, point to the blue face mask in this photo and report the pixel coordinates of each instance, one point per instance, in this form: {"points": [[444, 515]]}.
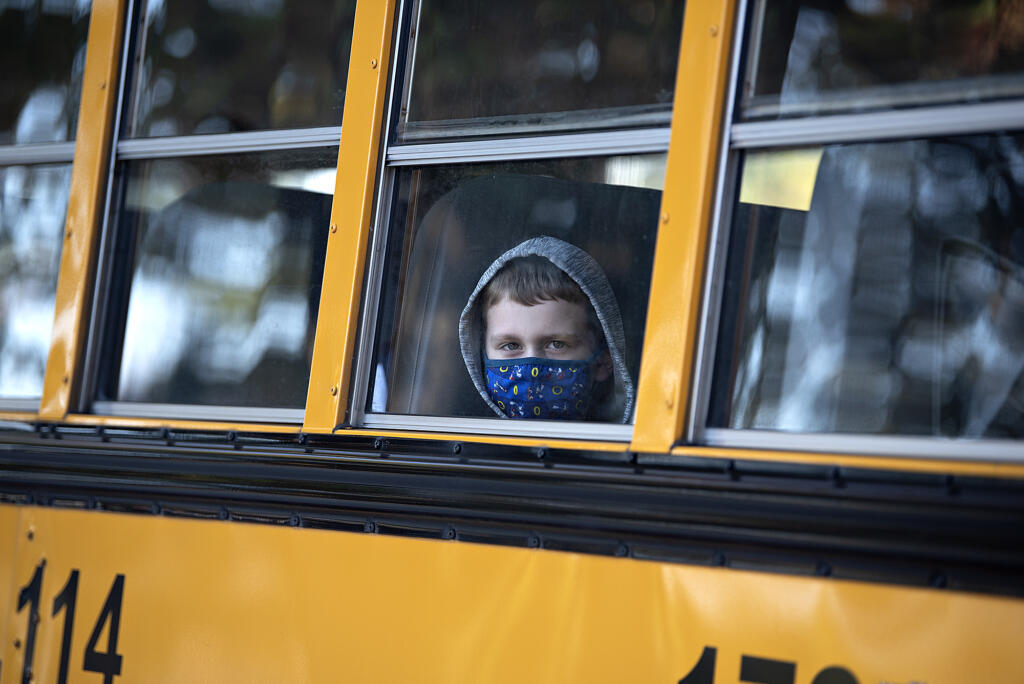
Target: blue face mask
{"points": [[541, 388]]}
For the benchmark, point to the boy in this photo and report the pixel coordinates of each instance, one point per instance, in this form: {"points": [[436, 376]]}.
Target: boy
{"points": [[542, 336]]}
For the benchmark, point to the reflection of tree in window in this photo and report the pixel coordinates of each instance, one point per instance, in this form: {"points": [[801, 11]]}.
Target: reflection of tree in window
{"points": [[220, 307], [896, 304], [42, 58], [542, 56], [810, 48], [33, 201], [220, 66], [226, 256]]}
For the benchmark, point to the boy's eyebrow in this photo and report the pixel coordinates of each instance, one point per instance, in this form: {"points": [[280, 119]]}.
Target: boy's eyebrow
{"points": [[496, 340], [493, 337]]}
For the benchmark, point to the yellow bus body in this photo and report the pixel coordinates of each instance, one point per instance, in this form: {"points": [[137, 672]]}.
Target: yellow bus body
{"points": [[226, 601], [215, 600]]}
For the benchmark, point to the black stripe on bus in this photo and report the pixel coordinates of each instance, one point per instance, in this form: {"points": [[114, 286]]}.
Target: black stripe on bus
{"points": [[939, 530]]}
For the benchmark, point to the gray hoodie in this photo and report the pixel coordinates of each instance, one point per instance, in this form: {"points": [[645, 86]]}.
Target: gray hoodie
{"points": [[582, 268]]}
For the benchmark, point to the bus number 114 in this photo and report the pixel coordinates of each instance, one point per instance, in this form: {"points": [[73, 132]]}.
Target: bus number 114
{"points": [[106, 662]]}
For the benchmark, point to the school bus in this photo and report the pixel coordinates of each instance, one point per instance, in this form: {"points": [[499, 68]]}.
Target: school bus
{"points": [[239, 442]]}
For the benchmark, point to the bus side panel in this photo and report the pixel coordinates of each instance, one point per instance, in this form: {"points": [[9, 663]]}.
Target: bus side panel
{"points": [[8, 557], [206, 600]]}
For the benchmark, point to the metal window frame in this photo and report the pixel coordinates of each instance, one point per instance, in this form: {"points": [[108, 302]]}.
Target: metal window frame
{"points": [[99, 310], [902, 124], [227, 143], [37, 153], [576, 430], [864, 444], [399, 114], [248, 414], [742, 93], [718, 241], [20, 404], [360, 392], [544, 146], [738, 136]]}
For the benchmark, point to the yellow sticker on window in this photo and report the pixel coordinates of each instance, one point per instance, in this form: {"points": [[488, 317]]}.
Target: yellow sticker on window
{"points": [[781, 178]]}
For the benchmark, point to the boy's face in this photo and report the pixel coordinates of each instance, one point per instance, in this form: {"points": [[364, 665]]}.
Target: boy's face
{"points": [[554, 329]]}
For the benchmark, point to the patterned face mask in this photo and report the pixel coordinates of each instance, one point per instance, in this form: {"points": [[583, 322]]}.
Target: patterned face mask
{"points": [[541, 388]]}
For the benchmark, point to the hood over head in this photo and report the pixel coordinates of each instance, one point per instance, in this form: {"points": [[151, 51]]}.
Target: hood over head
{"points": [[586, 273]]}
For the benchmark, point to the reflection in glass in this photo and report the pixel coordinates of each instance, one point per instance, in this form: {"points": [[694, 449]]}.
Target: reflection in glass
{"points": [[540, 62], [42, 59], [225, 258], [894, 305], [448, 223], [818, 57], [33, 205], [219, 66]]}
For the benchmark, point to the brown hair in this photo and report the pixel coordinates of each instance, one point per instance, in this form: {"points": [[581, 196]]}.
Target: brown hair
{"points": [[531, 280]]}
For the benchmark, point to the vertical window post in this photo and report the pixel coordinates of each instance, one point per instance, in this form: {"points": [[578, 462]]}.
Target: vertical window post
{"points": [[88, 178], [686, 213], [351, 214]]}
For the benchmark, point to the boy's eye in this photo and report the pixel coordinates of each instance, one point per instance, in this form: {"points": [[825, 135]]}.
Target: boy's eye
{"points": [[557, 345], [509, 346]]}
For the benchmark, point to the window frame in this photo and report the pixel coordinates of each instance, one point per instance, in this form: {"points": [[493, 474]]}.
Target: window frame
{"points": [[821, 129], [168, 147], [394, 156]]}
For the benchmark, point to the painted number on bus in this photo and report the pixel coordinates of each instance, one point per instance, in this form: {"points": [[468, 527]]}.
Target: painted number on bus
{"points": [[763, 671], [103, 659]]}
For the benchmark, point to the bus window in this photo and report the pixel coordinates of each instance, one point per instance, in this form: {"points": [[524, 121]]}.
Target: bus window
{"points": [[217, 225], [815, 56], [33, 203], [218, 67], [449, 223], [541, 64], [892, 304], [545, 135], [42, 58], [225, 259]]}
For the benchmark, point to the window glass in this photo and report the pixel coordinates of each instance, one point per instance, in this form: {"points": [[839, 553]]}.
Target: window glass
{"points": [[449, 223], [33, 203], [218, 66], [42, 58], [816, 56], [547, 62], [225, 259], [881, 290]]}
